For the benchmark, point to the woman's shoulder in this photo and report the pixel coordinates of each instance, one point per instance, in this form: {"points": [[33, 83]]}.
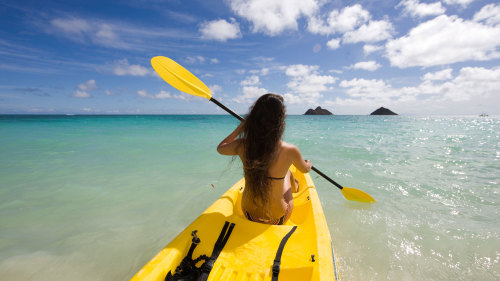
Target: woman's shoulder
{"points": [[288, 147]]}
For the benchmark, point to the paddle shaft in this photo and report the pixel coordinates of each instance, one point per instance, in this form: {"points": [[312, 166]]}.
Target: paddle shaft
{"points": [[226, 109], [241, 119], [327, 177]]}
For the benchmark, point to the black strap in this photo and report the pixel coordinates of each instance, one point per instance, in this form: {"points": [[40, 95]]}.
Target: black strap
{"points": [[187, 270], [219, 245], [277, 259]]}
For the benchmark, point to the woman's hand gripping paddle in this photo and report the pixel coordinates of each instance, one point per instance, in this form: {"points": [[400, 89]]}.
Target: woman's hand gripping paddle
{"points": [[184, 81]]}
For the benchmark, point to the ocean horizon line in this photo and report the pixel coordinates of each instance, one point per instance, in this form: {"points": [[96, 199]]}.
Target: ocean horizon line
{"points": [[210, 114]]}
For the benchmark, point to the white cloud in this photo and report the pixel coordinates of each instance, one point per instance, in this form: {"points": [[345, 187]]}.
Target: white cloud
{"points": [[444, 74], [83, 89], [490, 14], [81, 94], [336, 71], [123, 67], [333, 44], [463, 3], [160, 95], [444, 40], [263, 72], [194, 59], [366, 65], [300, 70], [163, 95], [473, 82], [215, 88], [220, 30], [144, 94], [374, 31], [373, 88], [72, 26], [263, 59], [337, 21], [306, 84], [251, 81], [214, 61], [273, 16], [250, 94], [82, 30], [292, 99], [354, 22], [416, 9], [368, 49], [88, 86], [110, 34], [476, 84], [365, 95], [105, 35]]}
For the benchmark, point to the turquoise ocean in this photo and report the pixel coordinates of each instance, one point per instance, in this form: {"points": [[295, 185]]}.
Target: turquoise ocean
{"points": [[96, 197]]}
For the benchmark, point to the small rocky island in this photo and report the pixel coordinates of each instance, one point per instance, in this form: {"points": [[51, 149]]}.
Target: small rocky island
{"points": [[383, 111], [318, 111]]}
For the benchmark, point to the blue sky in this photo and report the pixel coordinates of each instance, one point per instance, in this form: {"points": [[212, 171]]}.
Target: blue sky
{"points": [[351, 57]]}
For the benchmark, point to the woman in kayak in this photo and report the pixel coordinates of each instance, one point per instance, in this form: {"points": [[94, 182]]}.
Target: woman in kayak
{"points": [[267, 197]]}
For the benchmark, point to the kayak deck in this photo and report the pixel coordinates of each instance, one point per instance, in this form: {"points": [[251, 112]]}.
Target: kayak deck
{"points": [[251, 248]]}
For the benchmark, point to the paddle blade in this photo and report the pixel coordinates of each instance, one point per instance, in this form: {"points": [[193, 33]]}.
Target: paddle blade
{"points": [[179, 77], [353, 194]]}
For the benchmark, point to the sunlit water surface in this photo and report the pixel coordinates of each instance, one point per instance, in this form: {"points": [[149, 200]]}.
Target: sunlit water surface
{"points": [[95, 197]]}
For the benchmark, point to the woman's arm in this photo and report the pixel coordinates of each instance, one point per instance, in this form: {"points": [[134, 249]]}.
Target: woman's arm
{"points": [[229, 145], [302, 165]]}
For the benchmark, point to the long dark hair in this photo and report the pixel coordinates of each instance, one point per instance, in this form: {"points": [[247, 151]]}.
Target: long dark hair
{"points": [[261, 135]]}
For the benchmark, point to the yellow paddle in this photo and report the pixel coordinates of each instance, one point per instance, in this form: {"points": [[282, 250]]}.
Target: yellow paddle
{"points": [[184, 81]]}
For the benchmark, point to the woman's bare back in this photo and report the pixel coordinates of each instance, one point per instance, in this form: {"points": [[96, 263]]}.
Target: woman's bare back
{"points": [[281, 184]]}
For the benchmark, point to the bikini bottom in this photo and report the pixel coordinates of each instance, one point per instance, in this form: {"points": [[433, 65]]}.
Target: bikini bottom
{"points": [[278, 221]]}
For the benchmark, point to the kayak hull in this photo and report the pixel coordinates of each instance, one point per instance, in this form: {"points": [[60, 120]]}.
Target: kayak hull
{"points": [[251, 248]]}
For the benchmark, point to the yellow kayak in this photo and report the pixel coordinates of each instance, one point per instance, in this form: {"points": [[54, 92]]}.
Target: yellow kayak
{"points": [[224, 245]]}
